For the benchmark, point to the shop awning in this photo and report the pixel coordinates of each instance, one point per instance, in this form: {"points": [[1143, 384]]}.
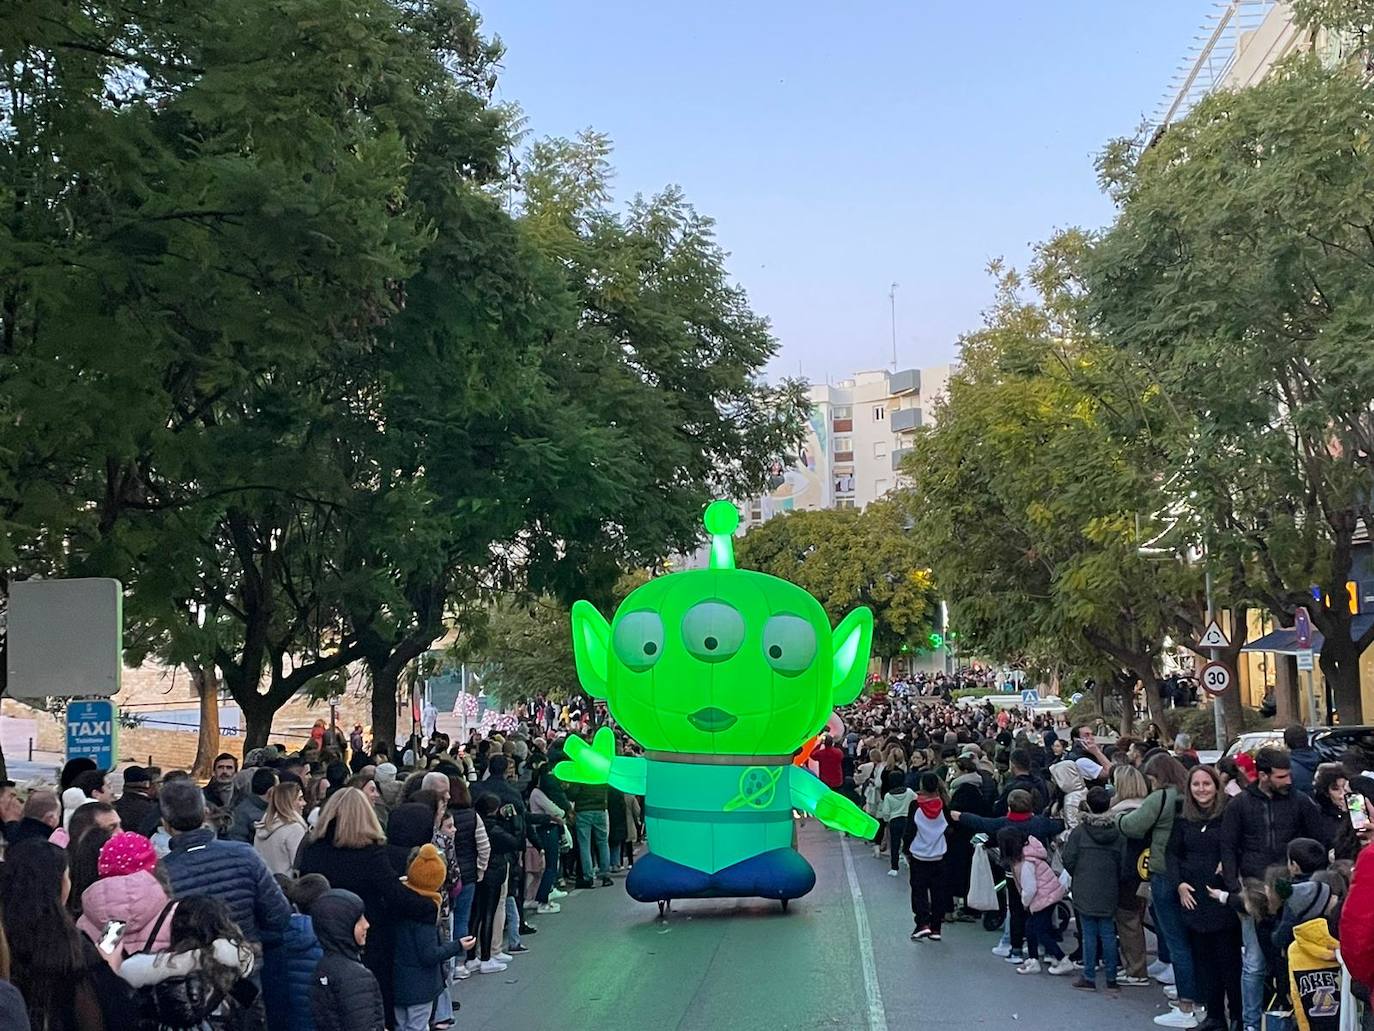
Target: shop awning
{"points": [[1284, 641]]}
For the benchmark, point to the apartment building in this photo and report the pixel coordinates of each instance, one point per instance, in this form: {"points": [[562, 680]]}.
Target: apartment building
{"points": [[860, 430]]}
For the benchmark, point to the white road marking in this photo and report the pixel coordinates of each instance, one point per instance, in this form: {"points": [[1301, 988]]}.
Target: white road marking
{"points": [[877, 1015]]}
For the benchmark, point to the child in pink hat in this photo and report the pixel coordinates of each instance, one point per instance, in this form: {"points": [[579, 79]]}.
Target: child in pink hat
{"points": [[129, 908]]}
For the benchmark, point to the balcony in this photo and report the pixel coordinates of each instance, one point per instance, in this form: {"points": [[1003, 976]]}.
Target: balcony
{"points": [[908, 381], [844, 457], [842, 426], [906, 420], [898, 457]]}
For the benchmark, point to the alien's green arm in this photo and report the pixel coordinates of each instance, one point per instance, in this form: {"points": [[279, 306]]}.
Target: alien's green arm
{"points": [[831, 808], [628, 773], [597, 763]]}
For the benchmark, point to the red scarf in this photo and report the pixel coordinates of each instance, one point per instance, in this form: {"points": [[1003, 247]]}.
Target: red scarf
{"points": [[931, 807], [1018, 817]]}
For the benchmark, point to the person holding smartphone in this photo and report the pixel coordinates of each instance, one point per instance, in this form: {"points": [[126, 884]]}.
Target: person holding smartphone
{"points": [[1329, 791]]}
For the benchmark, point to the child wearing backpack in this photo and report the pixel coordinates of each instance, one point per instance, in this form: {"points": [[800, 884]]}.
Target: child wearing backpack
{"points": [[420, 954], [1039, 890], [198, 983]]}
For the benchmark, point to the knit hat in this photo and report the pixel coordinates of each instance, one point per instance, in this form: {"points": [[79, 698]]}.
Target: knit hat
{"points": [[386, 773], [72, 800], [126, 853], [426, 873]]}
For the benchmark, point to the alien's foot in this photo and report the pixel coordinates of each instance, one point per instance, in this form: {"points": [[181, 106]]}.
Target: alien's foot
{"points": [[779, 874]]}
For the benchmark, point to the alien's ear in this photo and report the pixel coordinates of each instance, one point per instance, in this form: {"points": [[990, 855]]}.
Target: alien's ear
{"points": [[851, 642], [591, 647]]}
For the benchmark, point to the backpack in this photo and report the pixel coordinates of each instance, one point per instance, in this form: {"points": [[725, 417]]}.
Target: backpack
{"points": [[178, 1003]]}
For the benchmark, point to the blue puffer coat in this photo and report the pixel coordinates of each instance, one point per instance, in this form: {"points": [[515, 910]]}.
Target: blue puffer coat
{"points": [[288, 973], [201, 864]]}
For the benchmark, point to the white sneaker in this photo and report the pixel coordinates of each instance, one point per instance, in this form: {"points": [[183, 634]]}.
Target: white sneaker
{"points": [[555, 894], [1002, 950], [1155, 967], [473, 964], [876, 852], [1177, 1018], [548, 907], [1030, 966], [1171, 993], [503, 957], [1165, 976], [491, 966], [893, 873], [1062, 966], [461, 971]]}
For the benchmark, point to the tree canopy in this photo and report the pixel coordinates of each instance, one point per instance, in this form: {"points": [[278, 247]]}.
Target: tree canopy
{"points": [[846, 558], [1237, 277], [277, 351]]}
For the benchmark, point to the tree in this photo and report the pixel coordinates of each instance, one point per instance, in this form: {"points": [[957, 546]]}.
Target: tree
{"points": [[1237, 277], [526, 650], [1040, 484], [846, 558]]}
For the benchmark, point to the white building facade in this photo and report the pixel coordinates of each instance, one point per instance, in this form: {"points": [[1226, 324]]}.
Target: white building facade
{"points": [[860, 430]]}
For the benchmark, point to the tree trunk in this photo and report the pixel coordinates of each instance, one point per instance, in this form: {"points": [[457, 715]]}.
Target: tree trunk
{"points": [[257, 725], [1340, 662], [384, 695], [1232, 708], [1160, 715], [1287, 707], [206, 682]]}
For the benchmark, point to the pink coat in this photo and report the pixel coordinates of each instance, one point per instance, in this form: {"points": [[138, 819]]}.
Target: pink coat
{"points": [[136, 899], [1048, 888]]}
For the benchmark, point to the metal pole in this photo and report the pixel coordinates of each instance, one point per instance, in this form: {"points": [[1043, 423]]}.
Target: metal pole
{"points": [[892, 298], [1218, 712]]}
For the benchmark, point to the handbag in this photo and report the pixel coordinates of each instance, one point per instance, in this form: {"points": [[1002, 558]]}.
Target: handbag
{"points": [[982, 891]]}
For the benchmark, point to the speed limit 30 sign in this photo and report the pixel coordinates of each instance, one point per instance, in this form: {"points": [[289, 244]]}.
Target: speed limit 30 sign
{"points": [[1216, 677]]}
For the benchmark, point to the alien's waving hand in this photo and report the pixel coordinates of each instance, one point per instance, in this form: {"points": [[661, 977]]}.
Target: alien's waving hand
{"points": [[597, 763], [720, 674]]}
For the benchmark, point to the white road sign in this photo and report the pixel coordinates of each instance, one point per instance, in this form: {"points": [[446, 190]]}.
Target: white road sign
{"points": [[1214, 637], [1216, 678], [1305, 660]]}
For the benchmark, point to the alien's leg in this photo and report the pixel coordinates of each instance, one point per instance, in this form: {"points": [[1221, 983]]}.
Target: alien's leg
{"points": [[653, 879], [781, 873]]}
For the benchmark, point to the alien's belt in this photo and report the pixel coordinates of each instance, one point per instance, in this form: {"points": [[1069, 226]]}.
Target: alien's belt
{"points": [[659, 812]]}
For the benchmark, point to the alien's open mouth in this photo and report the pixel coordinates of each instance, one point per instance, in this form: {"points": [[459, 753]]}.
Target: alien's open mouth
{"points": [[712, 719]]}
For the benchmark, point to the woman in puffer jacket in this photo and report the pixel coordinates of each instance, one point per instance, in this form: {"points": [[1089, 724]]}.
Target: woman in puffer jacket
{"points": [[131, 893]]}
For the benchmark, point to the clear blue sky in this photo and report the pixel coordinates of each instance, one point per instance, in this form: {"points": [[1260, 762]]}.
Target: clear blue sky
{"points": [[841, 147]]}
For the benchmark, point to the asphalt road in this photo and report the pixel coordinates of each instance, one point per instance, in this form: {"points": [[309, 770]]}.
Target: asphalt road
{"points": [[839, 958]]}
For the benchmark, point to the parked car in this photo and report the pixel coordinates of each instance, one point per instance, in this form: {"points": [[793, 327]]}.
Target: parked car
{"points": [[1331, 743]]}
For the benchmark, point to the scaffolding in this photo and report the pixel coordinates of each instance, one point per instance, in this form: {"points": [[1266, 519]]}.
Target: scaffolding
{"points": [[1210, 57]]}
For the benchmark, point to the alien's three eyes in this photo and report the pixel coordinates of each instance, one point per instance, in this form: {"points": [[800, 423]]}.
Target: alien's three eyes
{"points": [[714, 632]]}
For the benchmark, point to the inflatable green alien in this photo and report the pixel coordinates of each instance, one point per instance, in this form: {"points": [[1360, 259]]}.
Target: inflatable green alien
{"points": [[721, 674]]}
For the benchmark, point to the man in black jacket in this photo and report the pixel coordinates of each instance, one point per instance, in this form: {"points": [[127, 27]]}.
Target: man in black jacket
{"points": [[1255, 832], [1021, 777], [137, 807]]}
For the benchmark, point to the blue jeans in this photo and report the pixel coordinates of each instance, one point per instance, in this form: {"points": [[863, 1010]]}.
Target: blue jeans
{"points": [[1253, 971], [1038, 935], [1099, 940], [1169, 918], [512, 923], [548, 841], [591, 825]]}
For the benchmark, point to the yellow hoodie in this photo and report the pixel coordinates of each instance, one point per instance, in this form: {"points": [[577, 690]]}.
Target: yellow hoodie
{"points": [[1314, 977]]}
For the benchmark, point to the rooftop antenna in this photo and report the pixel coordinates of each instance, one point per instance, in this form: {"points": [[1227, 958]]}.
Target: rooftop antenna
{"points": [[892, 299]]}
